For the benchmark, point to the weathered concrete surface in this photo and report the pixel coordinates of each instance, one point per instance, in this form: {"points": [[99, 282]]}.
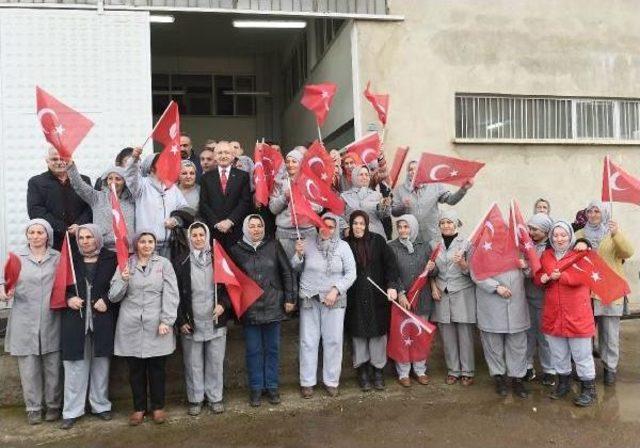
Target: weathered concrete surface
{"points": [[434, 415]]}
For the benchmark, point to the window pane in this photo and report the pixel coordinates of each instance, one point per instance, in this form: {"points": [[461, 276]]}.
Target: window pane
{"points": [[224, 103]]}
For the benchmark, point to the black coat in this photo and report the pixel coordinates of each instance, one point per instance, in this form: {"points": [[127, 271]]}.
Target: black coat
{"points": [[233, 204], [73, 325], [185, 310], [368, 310], [57, 203], [269, 267]]}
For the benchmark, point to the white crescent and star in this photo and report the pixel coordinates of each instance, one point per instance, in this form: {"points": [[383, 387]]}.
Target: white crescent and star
{"points": [[44, 112], [412, 321], [613, 182], [367, 151], [173, 131], [434, 171], [226, 268]]}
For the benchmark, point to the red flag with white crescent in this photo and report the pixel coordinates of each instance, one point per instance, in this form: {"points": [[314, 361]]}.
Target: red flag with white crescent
{"points": [[61, 125], [518, 230], [12, 269], [267, 163], [618, 185], [410, 336], [301, 210], [434, 168], [167, 133], [318, 98], [367, 147], [379, 102], [119, 227], [603, 281], [318, 191], [318, 161]]}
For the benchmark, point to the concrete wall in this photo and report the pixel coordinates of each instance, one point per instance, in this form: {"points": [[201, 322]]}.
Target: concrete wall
{"points": [[574, 48]]}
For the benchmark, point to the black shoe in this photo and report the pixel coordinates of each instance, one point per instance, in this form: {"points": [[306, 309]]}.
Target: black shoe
{"points": [[563, 387], [609, 377], [501, 385], [255, 398], [518, 388], [34, 417], [530, 375], [378, 379], [363, 377], [548, 380], [587, 395], [273, 396], [67, 423], [106, 415]]}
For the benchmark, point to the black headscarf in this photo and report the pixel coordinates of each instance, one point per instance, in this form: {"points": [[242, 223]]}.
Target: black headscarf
{"points": [[360, 246]]}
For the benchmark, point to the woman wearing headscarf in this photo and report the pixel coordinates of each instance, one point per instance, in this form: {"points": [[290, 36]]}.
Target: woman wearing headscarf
{"points": [[328, 270], [368, 309], [539, 227], [202, 322], [187, 184], [33, 329], [148, 295], [422, 201], [567, 318], [100, 203], [361, 197], [264, 260], [412, 255], [286, 232], [454, 299], [605, 236], [87, 329]]}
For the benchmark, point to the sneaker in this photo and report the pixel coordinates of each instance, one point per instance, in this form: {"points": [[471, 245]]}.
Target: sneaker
{"points": [[255, 398], [306, 392], [194, 409], [519, 390], [106, 415], [67, 423], [501, 385], [609, 377], [217, 407], [404, 382], [530, 375], [52, 415], [34, 417], [549, 380], [273, 396]]}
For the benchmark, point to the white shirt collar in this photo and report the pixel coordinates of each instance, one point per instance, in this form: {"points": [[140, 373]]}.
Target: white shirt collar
{"points": [[224, 170]]}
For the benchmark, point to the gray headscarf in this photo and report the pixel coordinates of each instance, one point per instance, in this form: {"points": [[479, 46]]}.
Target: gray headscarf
{"points": [[116, 170], [450, 214], [137, 236], [541, 221], [596, 232], [414, 227], [559, 253], [145, 167], [202, 258], [361, 192], [295, 154], [246, 236], [327, 248], [97, 235], [47, 228]]}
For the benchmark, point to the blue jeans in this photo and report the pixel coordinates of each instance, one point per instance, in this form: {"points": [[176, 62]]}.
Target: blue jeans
{"points": [[262, 353]]}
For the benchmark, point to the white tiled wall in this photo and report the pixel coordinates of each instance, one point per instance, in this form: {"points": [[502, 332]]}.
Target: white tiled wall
{"points": [[96, 63]]}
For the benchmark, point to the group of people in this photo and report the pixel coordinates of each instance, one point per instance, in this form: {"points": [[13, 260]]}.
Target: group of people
{"points": [[341, 279]]}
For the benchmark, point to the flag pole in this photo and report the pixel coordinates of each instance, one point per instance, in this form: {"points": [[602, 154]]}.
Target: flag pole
{"points": [[73, 270], [608, 162], [293, 207], [215, 285], [156, 125], [319, 132]]}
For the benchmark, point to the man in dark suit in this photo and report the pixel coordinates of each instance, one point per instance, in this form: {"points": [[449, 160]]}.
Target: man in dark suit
{"points": [[51, 197], [225, 197]]}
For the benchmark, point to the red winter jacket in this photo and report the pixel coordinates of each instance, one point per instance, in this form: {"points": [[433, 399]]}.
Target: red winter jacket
{"points": [[567, 308]]}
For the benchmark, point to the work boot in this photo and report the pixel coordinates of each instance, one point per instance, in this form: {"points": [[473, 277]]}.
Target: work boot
{"points": [[563, 387], [587, 394], [363, 377], [530, 375], [255, 398], [548, 380], [105, 415], [501, 385], [34, 417], [52, 415], [518, 388], [273, 396], [609, 377], [378, 379]]}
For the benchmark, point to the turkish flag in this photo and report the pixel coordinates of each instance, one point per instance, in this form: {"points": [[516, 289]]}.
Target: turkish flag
{"points": [[302, 213], [621, 186], [65, 276], [569, 260], [167, 133], [367, 147], [267, 163], [243, 291], [318, 191], [119, 230], [379, 102], [493, 249], [318, 161], [62, 126], [519, 232], [12, 269], [396, 166], [420, 281], [318, 98], [439, 248], [436, 168], [602, 280], [410, 336]]}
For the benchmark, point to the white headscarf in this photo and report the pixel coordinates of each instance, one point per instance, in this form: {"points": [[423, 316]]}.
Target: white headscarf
{"points": [[361, 192], [414, 229], [246, 236], [596, 232], [559, 253], [201, 257]]}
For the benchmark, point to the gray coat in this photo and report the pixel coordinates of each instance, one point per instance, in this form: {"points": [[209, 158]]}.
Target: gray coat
{"points": [[535, 294], [101, 206], [424, 205], [410, 266], [457, 291], [33, 328], [148, 298], [367, 200], [499, 315]]}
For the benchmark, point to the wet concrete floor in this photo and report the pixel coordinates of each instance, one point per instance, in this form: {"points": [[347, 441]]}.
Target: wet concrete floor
{"points": [[434, 415]]}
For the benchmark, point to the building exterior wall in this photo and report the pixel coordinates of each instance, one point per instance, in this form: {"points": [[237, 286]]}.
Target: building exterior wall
{"points": [[573, 48]]}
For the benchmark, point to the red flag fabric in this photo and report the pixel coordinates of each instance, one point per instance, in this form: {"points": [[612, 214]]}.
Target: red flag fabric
{"points": [[396, 167], [519, 232], [302, 213], [436, 168], [436, 252], [367, 147], [618, 185], [12, 269], [602, 280], [119, 231], [379, 102], [62, 126], [493, 250], [267, 163], [318, 191], [318, 98], [410, 336], [65, 276], [319, 162], [167, 133], [570, 259], [243, 291], [416, 288]]}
